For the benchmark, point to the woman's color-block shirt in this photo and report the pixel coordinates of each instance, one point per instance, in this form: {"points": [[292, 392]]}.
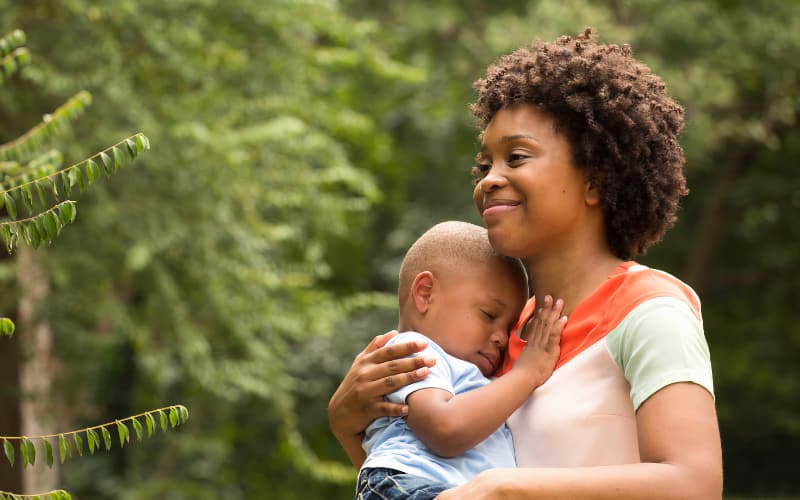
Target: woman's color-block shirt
{"points": [[640, 331]]}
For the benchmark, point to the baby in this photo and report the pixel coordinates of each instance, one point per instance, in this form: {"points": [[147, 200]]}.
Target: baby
{"points": [[461, 298]]}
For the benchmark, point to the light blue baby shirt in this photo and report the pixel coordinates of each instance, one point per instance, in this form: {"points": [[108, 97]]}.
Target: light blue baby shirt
{"points": [[390, 443]]}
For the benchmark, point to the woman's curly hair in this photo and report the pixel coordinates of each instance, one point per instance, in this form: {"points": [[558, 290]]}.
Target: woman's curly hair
{"points": [[621, 124]]}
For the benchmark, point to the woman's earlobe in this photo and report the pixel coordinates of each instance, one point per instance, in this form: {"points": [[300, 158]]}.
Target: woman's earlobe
{"points": [[592, 193], [422, 291]]}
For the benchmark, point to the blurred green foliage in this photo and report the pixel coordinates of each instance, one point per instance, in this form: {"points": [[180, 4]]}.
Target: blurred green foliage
{"points": [[300, 146]]}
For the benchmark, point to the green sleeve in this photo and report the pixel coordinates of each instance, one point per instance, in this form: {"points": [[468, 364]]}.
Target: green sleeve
{"points": [[661, 342]]}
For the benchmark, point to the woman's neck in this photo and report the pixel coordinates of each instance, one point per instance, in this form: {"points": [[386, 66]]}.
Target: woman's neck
{"points": [[571, 276]]}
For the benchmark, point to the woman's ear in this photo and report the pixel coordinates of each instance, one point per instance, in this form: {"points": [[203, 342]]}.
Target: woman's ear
{"points": [[422, 291], [592, 192]]}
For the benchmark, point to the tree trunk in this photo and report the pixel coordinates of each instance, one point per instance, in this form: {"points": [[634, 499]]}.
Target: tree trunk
{"points": [[36, 369]]}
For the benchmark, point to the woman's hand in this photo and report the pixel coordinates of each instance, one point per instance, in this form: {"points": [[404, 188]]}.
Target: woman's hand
{"points": [[375, 372], [485, 486]]}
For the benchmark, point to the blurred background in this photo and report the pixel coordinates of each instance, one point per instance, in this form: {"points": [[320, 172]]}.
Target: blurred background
{"points": [[298, 147]]}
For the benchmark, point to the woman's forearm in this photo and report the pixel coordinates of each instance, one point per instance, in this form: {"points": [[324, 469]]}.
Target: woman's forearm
{"points": [[650, 481], [351, 443], [679, 446]]}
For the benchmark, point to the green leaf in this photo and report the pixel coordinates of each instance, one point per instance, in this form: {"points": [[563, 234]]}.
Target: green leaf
{"points": [[63, 448], [93, 440], [65, 213], [173, 417], [148, 418], [8, 237], [78, 179], [106, 437], [108, 163], [137, 428], [92, 171], [39, 221], [27, 198], [47, 451], [184, 413], [124, 434], [66, 183], [163, 419], [9, 449], [140, 144], [34, 235], [119, 157], [28, 451], [54, 189], [78, 443], [23, 450], [40, 191], [11, 205], [31, 451], [132, 151], [7, 327], [51, 225]]}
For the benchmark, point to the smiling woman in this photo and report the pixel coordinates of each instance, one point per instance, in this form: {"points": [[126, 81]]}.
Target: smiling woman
{"points": [[580, 171], [527, 178]]}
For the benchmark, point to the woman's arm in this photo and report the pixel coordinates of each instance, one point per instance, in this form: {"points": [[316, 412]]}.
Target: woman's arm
{"points": [[375, 372], [679, 445]]}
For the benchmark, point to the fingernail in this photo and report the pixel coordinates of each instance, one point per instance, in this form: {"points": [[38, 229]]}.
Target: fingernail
{"points": [[421, 372], [404, 410]]}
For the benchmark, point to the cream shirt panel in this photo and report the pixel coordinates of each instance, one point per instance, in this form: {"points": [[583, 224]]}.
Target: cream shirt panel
{"points": [[584, 415]]}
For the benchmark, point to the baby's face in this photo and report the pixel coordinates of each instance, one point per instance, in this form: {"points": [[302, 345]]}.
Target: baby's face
{"points": [[473, 311]]}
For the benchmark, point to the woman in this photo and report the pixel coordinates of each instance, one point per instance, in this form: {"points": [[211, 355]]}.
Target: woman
{"points": [[580, 170]]}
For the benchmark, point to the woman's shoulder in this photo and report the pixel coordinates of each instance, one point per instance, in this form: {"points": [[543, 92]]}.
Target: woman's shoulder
{"points": [[637, 284]]}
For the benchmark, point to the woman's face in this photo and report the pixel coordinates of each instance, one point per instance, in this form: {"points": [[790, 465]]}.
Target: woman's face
{"points": [[530, 194]]}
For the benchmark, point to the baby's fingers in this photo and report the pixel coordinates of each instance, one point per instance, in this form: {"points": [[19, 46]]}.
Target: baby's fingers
{"points": [[548, 323]]}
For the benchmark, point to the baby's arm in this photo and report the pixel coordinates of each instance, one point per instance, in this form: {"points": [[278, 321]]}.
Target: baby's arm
{"points": [[450, 425]]}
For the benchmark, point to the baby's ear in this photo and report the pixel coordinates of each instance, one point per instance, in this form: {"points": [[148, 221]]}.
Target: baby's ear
{"points": [[422, 291]]}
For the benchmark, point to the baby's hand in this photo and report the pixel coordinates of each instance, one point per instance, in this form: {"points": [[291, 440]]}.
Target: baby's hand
{"points": [[544, 336]]}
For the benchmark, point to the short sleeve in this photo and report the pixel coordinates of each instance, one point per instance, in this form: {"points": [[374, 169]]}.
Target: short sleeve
{"points": [[439, 376], [661, 342]]}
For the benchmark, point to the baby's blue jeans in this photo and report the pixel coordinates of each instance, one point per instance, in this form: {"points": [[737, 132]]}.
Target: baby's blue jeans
{"points": [[390, 484]]}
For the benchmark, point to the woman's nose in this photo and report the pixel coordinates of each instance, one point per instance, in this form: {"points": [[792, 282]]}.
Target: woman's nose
{"points": [[492, 180]]}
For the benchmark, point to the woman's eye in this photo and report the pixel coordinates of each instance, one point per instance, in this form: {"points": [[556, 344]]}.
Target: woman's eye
{"points": [[479, 171], [516, 158]]}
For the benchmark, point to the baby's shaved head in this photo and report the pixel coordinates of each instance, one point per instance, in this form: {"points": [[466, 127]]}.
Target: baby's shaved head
{"points": [[450, 246]]}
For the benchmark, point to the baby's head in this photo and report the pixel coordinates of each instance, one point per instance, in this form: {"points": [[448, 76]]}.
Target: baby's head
{"points": [[456, 290]]}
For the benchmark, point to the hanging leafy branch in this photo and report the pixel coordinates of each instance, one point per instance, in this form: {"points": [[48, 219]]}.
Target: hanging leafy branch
{"points": [[12, 54], [14, 173], [38, 182], [95, 437], [57, 121], [46, 225], [50, 495]]}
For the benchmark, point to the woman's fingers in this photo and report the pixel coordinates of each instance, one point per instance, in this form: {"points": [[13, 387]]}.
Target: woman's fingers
{"points": [[374, 387], [394, 351], [379, 341], [374, 381]]}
